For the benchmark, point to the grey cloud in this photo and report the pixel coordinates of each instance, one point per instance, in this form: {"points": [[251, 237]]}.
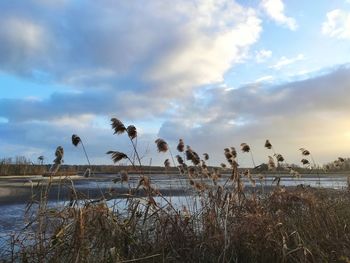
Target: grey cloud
{"points": [[106, 102], [312, 113], [94, 44], [327, 92], [293, 115]]}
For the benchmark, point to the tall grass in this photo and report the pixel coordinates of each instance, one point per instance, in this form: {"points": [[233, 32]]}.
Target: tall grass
{"points": [[224, 222]]}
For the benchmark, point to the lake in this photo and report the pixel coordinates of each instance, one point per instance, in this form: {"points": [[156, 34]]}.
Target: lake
{"points": [[15, 191]]}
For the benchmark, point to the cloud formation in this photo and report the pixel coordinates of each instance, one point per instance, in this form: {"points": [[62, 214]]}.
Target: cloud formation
{"points": [[311, 113], [293, 115], [275, 10], [163, 64], [262, 55], [337, 24], [165, 46], [284, 61]]}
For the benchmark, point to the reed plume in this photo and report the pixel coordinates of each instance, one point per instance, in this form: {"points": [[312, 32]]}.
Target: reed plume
{"points": [[304, 152], [167, 163], [162, 146], [204, 165], [192, 156], [59, 155], [271, 164], [305, 161], [179, 159], [233, 152], [181, 146], [58, 160], [228, 154], [268, 145], [245, 148], [132, 132], [118, 126], [75, 140], [191, 171], [279, 157], [117, 156], [206, 156]]}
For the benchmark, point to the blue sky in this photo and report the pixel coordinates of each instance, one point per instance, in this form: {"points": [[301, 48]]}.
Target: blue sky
{"points": [[215, 73]]}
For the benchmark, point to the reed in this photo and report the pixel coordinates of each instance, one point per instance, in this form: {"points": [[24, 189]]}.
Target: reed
{"points": [[224, 222]]}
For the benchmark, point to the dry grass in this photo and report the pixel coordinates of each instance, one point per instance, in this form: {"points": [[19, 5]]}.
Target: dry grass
{"points": [[224, 223], [300, 225]]}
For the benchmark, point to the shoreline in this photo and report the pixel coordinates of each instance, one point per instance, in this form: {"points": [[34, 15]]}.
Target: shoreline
{"points": [[20, 189]]}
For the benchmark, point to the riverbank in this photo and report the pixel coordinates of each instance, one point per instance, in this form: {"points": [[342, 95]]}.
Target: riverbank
{"points": [[293, 224], [19, 189]]}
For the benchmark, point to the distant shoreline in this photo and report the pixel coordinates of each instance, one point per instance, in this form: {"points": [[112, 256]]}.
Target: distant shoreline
{"points": [[35, 169], [19, 189]]}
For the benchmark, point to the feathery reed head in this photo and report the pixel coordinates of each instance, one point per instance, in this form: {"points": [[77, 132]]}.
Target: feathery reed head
{"points": [[191, 171], [337, 163], [118, 126], [192, 156], [233, 152], [268, 145], [304, 152], [181, 146], [206, 156], [204, 165], [59, 152], [167, 163], [59, 155], [245, 147], [132, 132], [179, 159], [271, 164], [117, 156], [181, 169], [162, 146], [305, 161], [279, 157], [75, 140], [227, 153]]}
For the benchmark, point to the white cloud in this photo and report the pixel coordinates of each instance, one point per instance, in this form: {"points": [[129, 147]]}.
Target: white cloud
{"points": [[262, 55], [275, 10], [267, 78], [215, 37], [337, 24], [284, 61]]}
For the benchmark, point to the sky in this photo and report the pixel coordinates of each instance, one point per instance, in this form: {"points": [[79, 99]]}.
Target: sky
{"points": [[216, 73]]}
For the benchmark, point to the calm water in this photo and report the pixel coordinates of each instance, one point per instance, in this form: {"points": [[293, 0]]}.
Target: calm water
{"points": [[12, 216]]}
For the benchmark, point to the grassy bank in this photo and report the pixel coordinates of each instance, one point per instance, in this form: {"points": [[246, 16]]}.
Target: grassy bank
{"points": [[299, 225], [218, 222]]}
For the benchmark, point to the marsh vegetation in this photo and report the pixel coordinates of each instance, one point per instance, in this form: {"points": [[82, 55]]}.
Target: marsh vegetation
{"points": [[219, 221]]}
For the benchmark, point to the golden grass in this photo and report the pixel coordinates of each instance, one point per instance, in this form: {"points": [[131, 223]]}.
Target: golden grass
{"points": [[224, 223]]}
